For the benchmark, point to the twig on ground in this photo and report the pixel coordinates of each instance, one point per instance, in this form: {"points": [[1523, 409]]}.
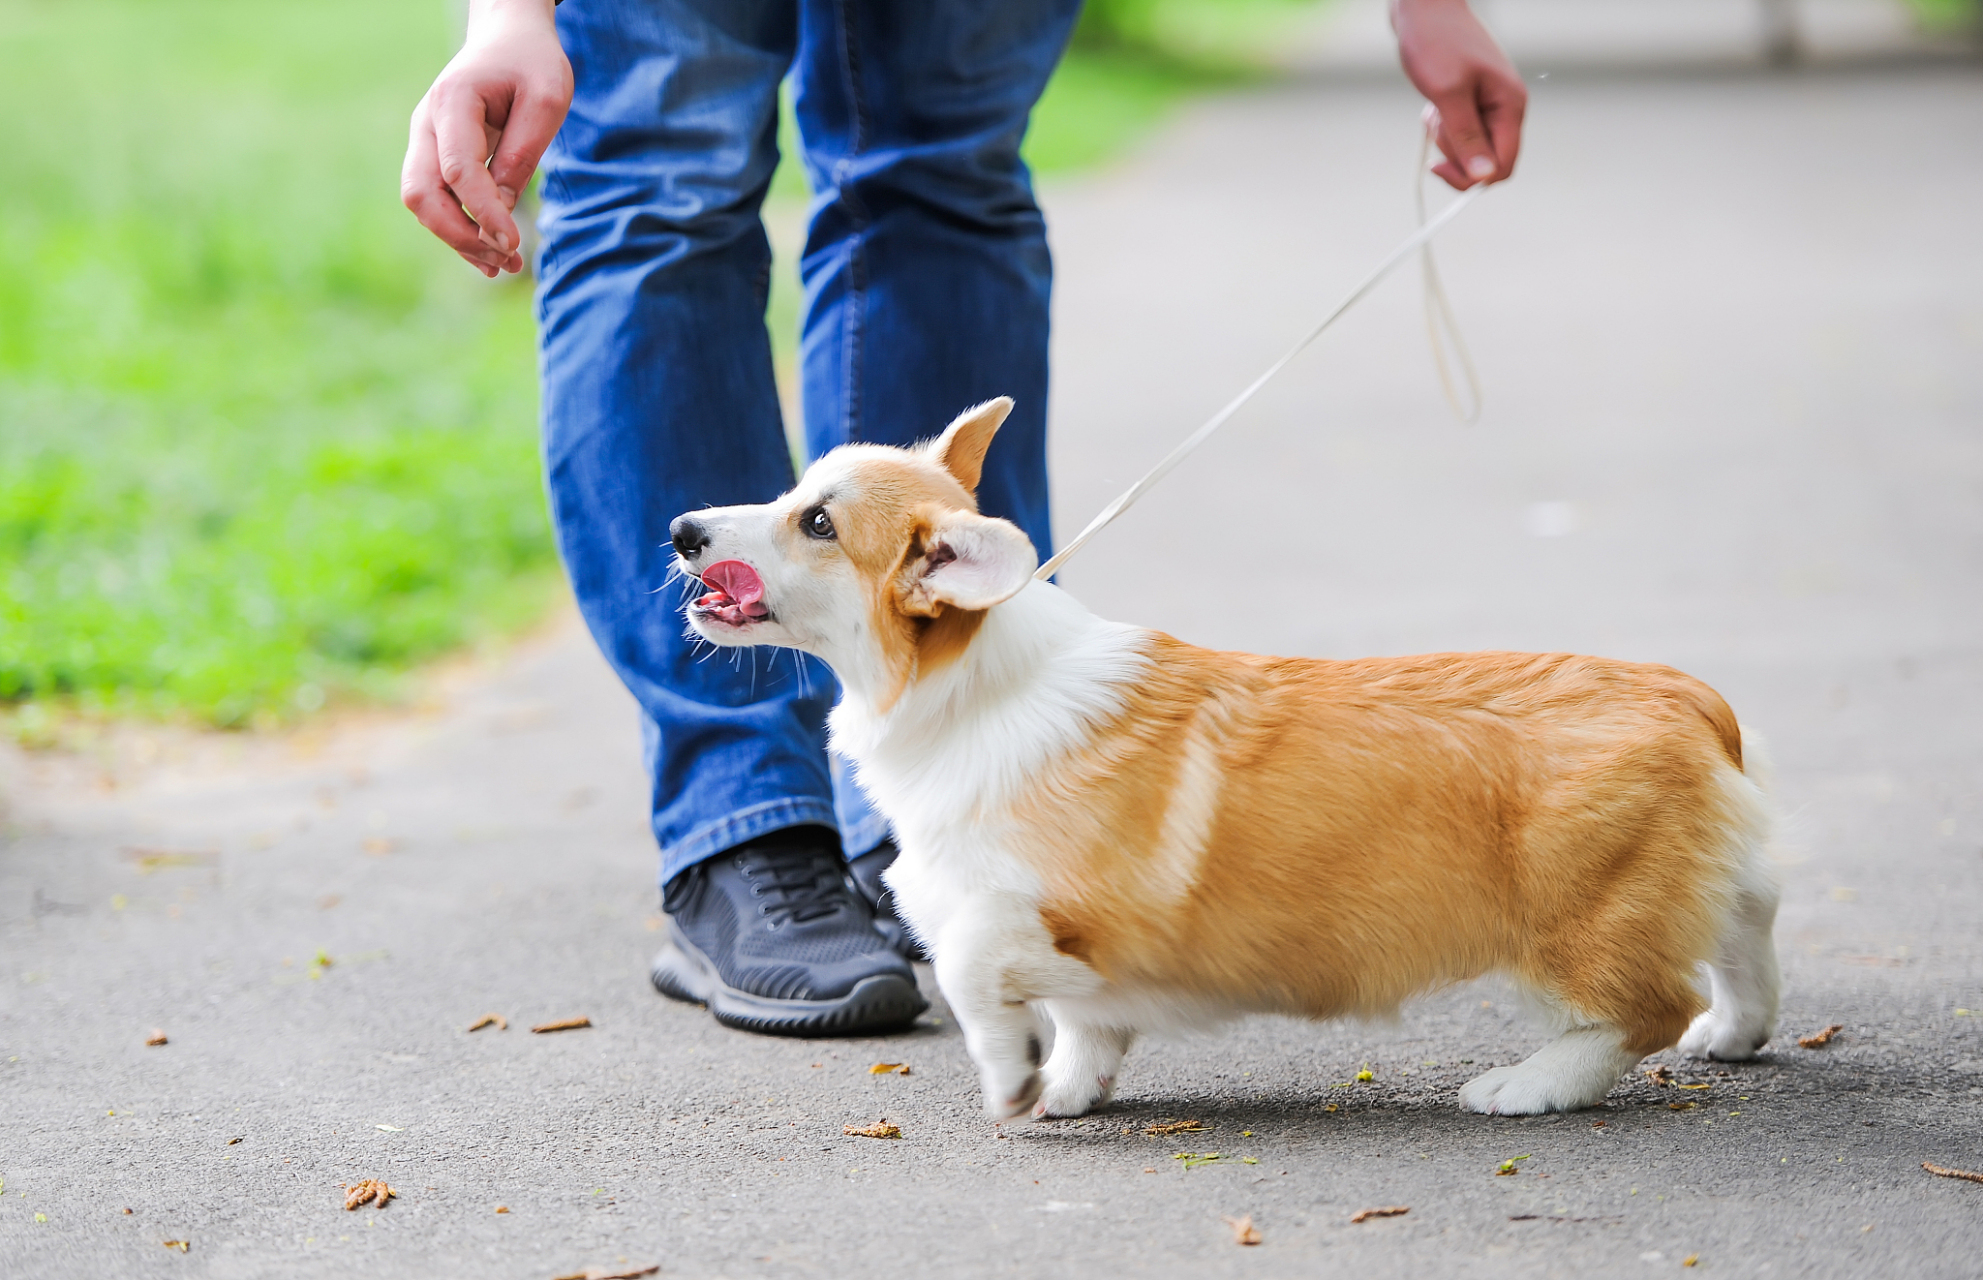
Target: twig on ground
{"points": [[496, 1020], [1819, 1039], [1941, 1172], [1175, 1127], [569, 1024], [1390, 1211]]}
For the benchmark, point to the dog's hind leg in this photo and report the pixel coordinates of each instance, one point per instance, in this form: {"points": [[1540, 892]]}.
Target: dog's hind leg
{"points": [[1743, 978], [1573, 1071], [1080, 1073]]}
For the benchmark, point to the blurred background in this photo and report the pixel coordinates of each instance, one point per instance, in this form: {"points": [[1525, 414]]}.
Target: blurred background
{"points": [[265, 447]]}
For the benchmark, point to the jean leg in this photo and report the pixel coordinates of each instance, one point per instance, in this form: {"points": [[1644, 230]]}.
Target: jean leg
{"points": [[926, 273], [659, 396]]}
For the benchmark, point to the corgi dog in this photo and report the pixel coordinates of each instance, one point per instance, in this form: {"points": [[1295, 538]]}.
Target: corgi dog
{"points": [[1121, 832]]}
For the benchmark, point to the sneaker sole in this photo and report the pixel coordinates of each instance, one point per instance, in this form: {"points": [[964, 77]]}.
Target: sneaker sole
{"points": [[884, 1002]]}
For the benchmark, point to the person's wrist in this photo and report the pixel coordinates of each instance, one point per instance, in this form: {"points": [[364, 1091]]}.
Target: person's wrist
{"points": [[511, 12], [1408, 7]]}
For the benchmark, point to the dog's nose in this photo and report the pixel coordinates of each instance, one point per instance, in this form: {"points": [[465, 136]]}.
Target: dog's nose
{"points": [[689, 535]]}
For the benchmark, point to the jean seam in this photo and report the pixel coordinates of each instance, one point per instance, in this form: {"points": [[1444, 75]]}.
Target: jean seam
{"points": [[856, 301]]}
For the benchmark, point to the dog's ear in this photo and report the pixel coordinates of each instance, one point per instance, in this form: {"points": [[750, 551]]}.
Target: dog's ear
{"points": [[960, 450], [968, 561]]}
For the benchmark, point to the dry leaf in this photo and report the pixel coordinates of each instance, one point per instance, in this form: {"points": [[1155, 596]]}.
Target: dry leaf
{"points": [[1819, 1039], [157, 1036], [569, 1024], [1696, 1086], [606, 1273], [1661, 1074], [183, 1246], [886, 1068], [496, 1020], [1176, 1127], [1243, 1231], [1392, 1211], [370, 1191], [502, 1208], [1690, 1260], [234, 1142], [1940, 1172], [879, 1129], [150, 859]]}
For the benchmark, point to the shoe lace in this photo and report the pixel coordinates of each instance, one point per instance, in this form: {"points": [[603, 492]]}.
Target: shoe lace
{"points": [[800, 886]]}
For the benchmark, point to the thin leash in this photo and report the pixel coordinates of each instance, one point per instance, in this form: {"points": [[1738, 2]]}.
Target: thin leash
{"points": [[1440, 325]]}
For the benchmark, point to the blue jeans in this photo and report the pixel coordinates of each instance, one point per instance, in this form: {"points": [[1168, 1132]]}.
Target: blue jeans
{"points": [[926, 279]]}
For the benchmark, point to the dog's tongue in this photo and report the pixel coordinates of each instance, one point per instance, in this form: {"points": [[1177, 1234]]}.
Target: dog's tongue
{"points": [[740, 582]]}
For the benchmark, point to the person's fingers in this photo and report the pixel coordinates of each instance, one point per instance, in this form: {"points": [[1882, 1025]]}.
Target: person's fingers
{"points": [[1439, 140], [461, 118], [422, 191], [479, 265], [1452, 175], [533, 121], [1463, 136], [1504, 100]]}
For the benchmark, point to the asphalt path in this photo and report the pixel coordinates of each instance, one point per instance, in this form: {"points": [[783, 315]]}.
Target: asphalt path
{"points": [[1731, 334]]}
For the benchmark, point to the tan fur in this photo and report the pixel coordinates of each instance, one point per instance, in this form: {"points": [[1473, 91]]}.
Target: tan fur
{"points": [[1372, 829], [1321, 838], [1164, 833]]}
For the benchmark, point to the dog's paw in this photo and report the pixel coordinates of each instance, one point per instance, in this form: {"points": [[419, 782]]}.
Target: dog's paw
{"points": [[1007, 1098], [1717, 1036], [1065, 1099], [1526, 1089]]}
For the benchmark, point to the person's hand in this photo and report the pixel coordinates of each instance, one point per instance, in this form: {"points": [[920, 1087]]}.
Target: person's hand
{"points": [[504, 95], [1475, 94]]}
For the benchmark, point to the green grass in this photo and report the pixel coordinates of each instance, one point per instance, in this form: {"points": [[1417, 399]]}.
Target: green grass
{"points": [[263, 443], [1948, 15]]}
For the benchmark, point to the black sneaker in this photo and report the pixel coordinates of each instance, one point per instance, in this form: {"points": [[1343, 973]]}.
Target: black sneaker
{"points": [[772, 939], [866, 871]]}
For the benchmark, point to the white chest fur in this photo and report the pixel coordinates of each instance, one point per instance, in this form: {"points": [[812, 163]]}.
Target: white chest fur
{"points": [[948, 762]]}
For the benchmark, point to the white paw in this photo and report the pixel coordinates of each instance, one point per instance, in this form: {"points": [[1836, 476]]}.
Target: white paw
{"points": [[1723, 1038], [1065, 1099], [1526, 1089], [1010, 1094]]}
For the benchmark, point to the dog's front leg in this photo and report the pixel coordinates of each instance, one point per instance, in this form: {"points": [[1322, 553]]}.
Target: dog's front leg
{"points": [[993, 959], [1087, 1053]]}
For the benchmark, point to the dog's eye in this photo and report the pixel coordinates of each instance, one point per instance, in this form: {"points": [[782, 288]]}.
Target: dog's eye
{"points": [[818, 524]]}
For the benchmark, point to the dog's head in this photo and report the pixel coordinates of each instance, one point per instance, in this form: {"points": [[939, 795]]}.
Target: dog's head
{"points": [[877, 562]]}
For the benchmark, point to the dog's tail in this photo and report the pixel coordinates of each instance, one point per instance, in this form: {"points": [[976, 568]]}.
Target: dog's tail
{"points": [[1756, 762]]}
